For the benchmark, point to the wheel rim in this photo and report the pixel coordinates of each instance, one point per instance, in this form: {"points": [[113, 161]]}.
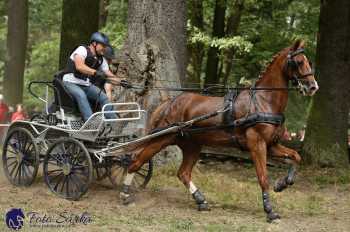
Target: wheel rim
{"points": [[67, 169], [20, 157]]}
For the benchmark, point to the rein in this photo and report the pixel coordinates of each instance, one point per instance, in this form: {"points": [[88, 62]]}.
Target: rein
{"points": [[213, 89]]}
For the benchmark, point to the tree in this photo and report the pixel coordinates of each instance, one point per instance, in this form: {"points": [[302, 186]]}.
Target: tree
{"points": [[326, 134], [211, 74], [16, 49], [103, 13], [196, 50], [79, 21], [233, 21], [154, 53]]}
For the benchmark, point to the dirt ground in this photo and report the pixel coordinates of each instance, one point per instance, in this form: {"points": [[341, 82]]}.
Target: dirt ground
{"points": [[318, 201]]}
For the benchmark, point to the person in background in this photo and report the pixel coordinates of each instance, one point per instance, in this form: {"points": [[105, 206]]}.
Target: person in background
{"points": [[286, 135], [301, 134], [3, 115], [4, 109], [110, 56], [101, 83], [19, 114]]}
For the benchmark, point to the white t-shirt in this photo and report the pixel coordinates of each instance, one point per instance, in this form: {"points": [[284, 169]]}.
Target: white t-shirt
{"points": [[81, 51]]}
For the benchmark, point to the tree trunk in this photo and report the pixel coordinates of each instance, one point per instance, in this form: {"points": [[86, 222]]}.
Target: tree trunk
{"points": [[79, 21], [155, 51], [231, 30], [211, 74], [103, 13], [326, 134], [196, 51], [154, 54], [16, 49]]}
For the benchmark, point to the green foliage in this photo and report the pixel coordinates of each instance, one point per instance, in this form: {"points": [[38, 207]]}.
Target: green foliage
{"points": [[116, 32], [236, 42], [3, 34], [116, 26], [44, 64]]}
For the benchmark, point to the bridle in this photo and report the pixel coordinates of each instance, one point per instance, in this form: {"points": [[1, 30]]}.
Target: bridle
{"points": [[297, 78]]}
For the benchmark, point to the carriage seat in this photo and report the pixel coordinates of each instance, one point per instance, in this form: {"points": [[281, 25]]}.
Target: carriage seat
{"points": [[68, 102]]}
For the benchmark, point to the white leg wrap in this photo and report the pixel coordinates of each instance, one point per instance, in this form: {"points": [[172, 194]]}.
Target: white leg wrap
{"points": [[128, 179], [192, 188]]}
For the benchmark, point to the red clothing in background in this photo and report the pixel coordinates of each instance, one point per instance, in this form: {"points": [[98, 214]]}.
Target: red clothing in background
{"points": [[3, 112], [18, 116]]}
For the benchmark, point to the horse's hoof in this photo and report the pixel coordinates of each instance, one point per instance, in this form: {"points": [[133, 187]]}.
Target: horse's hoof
{"points": [[280, 185], [127, 199], [203, 207], [272, 216]]}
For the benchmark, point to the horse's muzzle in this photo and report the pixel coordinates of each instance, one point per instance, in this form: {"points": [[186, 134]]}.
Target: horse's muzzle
{"points": [[312, 88]]}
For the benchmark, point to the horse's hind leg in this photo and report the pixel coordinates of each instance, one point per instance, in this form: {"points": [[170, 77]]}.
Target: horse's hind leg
{"points": [[190, 157], [257, 147], [289, 156]]}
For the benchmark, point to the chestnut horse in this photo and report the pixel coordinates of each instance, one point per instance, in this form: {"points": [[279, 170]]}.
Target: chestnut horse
{"points": [[260, 138]]}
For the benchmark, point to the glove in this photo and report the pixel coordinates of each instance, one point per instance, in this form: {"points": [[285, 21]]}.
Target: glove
{"points": [[100, 75], [125, 84]]}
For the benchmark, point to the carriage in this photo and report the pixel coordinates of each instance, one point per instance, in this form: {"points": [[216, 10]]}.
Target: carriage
{"points": [[73, 152]]}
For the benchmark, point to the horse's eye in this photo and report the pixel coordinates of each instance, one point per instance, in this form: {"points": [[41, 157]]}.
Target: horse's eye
{"points": [[299, 63]]}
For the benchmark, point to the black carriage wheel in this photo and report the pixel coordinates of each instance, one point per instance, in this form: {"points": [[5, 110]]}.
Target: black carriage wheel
{"points": [[20, 157], [141, 178], [38, 118], [68, 168], [101, 171]]}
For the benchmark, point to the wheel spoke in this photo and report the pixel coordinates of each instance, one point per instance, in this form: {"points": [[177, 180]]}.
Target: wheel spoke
{"points": [[14, 168], [55, 158], [29, 170], [13, 152], [78, 184], [20, 172], [9, 165], [79, 167], [25, 174], [67, 186], [141, 174], [58, 181], [64, 181]]}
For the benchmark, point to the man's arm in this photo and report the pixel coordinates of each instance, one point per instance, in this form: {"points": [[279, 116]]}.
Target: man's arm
{"points": [[111, 75], [82, 67]]}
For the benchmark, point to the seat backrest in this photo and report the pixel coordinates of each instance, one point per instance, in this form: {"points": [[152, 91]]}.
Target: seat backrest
{"points": [[62, 96]]}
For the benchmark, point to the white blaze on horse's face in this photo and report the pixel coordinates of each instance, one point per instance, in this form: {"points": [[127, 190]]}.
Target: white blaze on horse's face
{"points": [[308, 86]]}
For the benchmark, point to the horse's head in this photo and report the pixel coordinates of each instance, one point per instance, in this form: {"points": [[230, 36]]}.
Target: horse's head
{"points": [[299, 70]]}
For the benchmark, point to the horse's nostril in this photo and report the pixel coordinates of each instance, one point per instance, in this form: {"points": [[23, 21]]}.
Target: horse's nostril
{"points": [[313, 88]]}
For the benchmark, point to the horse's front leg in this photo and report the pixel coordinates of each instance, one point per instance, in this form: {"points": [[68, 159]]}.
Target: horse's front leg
{"points": [[287, 155], [146, 153], [257, 147], [190, 154]]}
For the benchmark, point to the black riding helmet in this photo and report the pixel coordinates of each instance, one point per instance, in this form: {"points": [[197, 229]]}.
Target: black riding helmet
{"points": [[109, 53], [101, 38]]}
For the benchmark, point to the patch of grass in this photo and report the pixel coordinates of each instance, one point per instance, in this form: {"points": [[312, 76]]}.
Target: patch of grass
{"points": [[313, 205], [181, 225], [327, 177]]}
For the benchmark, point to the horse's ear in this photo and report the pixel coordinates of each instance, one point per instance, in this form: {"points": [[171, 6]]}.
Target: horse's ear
{"points": [[298, 44]]}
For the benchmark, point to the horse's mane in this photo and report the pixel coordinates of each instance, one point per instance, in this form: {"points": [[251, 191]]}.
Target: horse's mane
{"points": [[269, 65]]}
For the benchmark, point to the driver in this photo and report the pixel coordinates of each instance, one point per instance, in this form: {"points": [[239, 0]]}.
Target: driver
{"points": [[85, 63]]}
